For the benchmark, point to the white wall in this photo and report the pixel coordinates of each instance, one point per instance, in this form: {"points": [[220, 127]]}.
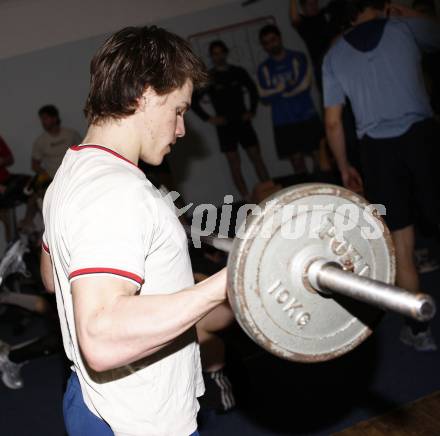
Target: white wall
{"points": [[59, 75], [29, 25]]}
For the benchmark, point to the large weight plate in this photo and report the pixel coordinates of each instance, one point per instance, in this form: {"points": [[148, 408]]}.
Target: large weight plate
{"points": [[267, 270]]}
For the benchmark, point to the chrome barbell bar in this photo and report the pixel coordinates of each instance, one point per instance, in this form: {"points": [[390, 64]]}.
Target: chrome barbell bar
{"points": [[329, 277]]}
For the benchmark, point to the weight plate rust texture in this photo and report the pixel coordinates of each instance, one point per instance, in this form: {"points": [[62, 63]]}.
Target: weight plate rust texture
{"points": [[267, 271]]}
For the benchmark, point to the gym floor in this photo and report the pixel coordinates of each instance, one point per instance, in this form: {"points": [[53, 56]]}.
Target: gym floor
{"points": [[275, 397]]}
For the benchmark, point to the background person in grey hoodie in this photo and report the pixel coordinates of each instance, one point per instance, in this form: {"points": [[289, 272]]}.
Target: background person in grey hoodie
{"points": [[377, 65]]}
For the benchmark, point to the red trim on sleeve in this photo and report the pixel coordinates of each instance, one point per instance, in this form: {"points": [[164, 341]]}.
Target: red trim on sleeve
{"points": [[118, 272], [45, 247], [100, 147]]}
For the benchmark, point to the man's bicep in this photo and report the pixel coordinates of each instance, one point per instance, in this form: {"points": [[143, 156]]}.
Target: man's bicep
{"points": [[333, 92], [94, 293], [46, 270], [94, 298]]}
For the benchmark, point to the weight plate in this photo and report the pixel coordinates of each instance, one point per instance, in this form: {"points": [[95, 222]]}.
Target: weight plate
{"points": [[267, 271]]}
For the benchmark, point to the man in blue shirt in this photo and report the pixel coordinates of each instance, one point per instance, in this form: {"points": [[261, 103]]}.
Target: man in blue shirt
{"points": [[377, 66], [284, 81]]}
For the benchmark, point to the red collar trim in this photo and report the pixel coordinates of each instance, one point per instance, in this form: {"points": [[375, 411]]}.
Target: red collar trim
{"points": [[100, 147]]}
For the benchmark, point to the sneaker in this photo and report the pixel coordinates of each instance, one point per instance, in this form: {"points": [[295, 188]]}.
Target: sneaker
{"points": [[218, 392], [10, 371], [422, 341], [12, 261]]}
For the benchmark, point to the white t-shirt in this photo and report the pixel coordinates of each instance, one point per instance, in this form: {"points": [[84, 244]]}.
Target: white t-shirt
{"points": [[102, 216], [50, 149]]}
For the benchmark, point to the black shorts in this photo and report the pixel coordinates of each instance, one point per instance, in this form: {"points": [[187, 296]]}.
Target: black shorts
{"points": [[234, 133], [302, 137], [402, 174]]}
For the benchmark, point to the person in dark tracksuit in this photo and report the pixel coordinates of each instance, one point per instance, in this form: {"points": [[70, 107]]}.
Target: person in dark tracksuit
{"points": [[226, 91]]}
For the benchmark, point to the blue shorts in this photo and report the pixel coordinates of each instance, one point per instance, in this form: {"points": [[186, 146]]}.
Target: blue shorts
{"points": [[78, 419]]}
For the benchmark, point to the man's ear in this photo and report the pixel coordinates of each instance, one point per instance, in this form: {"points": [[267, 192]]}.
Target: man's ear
{"points": [[150, 98], [145, 99], [142, 102]]}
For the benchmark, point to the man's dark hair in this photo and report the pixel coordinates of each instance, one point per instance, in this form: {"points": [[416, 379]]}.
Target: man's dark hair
{"points": [[134, 59], [267, 30], [338, 19], [218, 43], [356, 7]]}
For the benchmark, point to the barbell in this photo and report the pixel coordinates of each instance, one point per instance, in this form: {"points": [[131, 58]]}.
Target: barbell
{"points": [[301, 266]]}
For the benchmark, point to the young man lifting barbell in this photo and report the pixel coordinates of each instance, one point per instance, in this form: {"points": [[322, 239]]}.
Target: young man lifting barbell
{"points": [[116, 254]]}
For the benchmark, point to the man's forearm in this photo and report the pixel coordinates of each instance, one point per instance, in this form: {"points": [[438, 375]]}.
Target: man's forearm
{"points": [[133, 327], [336, 141], [303, 85], [269, 93], [46, 271], [400, 10]]}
